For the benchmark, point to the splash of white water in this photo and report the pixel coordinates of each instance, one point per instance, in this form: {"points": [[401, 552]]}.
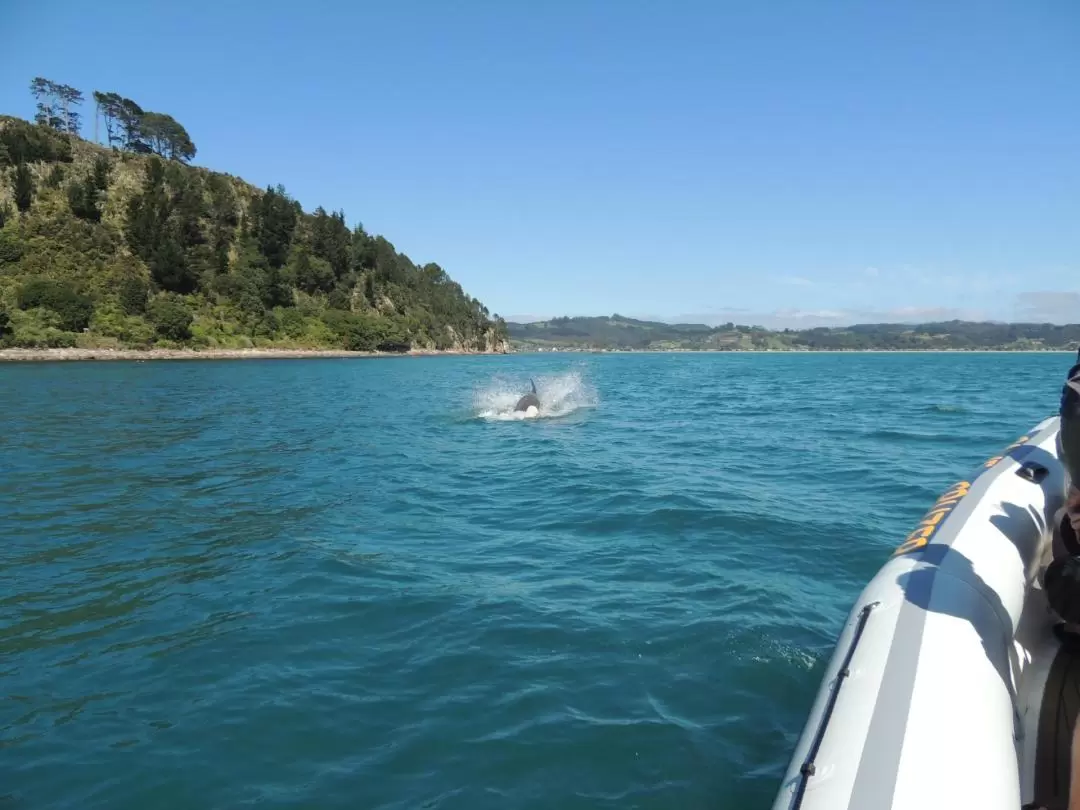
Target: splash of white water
{"points": [[559, 395]]}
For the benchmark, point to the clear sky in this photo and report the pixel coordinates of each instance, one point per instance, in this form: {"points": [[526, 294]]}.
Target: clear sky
{"points": [[791, 161]]}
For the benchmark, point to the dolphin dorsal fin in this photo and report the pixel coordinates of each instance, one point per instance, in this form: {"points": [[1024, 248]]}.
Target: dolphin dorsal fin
{"points": [[532, 384]]}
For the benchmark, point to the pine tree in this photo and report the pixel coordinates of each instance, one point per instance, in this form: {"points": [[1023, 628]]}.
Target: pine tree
{"points": [[129, 115], [56, 105], [24, 188], [44, 91], [166, 137], [69, 97], [108, 108], [168, 266], [100, 174], [148, 213], [274, 221], [82, 197]]}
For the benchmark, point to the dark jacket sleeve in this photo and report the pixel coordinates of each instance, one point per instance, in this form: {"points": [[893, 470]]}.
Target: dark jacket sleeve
{"points": [[1070, 422]]}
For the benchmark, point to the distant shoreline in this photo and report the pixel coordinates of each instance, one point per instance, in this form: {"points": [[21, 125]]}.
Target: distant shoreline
{"points": [[70, 355], [794, 351], [74, 355]]}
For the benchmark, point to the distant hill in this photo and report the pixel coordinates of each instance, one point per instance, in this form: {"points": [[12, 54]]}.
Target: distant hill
{"points": [[604, 332], [126, 245], [620, 333]]}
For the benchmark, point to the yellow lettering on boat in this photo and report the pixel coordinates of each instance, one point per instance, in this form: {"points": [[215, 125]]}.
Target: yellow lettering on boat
{"points": [[1004, 453], [926, 527], [934, 518]]}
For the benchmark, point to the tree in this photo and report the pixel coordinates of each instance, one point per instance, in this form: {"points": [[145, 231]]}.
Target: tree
{"points": [[434, 274], [130, 114], [74, 309], [83, 195], [154, 128], [331, 240], [171, 318], [47, 113], [108, 106], [388, 263], [158, 237], [310, 273], [123, 119], [169, 267], [274, 218], [69, 98], [148, 212], [166, 137], [103, 109], [224, 218], [363, 249], [22, 142], [133, 293], [5, 324], [187, 206], [56, 105], [99, 175], [24, 188], [253, 284]]}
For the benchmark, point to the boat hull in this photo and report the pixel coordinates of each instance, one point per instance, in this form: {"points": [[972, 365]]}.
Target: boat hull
{"points": [[932, 697]]}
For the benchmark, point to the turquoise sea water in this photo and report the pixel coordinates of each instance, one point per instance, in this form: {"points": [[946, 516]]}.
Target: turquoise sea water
{"points": [[356, 584]]}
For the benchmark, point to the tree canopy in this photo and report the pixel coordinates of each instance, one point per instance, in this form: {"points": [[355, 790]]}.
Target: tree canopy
{"points": [[127, 125], [56, 105], [123, 244]]}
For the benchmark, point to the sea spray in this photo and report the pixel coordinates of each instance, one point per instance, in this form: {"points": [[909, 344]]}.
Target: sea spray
{"points": [[559, 395]]}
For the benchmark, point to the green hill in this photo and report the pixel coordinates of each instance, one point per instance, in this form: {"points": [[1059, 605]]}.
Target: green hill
{"points": [[605, 332], [127, 245], [620, 333]]}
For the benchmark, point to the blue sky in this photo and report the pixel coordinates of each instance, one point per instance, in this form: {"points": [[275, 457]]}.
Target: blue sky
{"points": [[783, 162]]}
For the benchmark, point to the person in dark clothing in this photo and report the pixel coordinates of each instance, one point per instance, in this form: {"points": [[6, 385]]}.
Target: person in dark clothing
{"points": [[1062, 578], [1070, 424]]}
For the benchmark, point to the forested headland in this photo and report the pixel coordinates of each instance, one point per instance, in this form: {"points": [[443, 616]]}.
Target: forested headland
{"points": [[119, 242], [618, 333]]}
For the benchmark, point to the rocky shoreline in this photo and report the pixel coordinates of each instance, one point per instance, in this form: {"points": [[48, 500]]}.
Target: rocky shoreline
{"points": [[46, 355]]}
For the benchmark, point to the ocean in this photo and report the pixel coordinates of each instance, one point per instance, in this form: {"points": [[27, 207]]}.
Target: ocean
{"points": [[367, 584]]}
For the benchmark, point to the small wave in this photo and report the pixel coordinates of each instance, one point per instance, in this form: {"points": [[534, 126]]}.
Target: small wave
{"points": [[897, 435], [946, 408], [559, 395]]}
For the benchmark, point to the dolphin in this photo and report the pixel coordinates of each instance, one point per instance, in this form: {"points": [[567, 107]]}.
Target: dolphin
{"points": [[530, 403]]}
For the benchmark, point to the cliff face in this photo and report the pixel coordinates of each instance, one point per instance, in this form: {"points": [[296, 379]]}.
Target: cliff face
{"points": [[105, 248]]}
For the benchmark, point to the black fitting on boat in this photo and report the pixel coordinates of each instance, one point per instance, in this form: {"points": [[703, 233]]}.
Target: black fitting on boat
{"points": [[809, 768], [1032, 471]]}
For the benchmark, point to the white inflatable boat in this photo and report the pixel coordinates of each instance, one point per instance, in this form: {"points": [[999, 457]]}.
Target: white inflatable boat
{"points": [[947, 687]]}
